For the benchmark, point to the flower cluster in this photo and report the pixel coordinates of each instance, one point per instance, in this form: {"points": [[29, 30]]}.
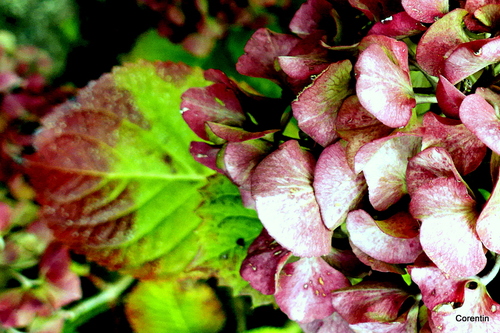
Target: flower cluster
{"points": [[373, 163]]}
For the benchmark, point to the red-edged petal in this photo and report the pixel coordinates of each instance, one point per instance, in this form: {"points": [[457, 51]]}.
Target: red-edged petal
{"points": [[383, 83], [427, 11], [261, 52], [399, 26], [448, 97], [487, 223], [357, 126], [305, 287], [366, 235], [205, 154], [285, 201], [481, 118], [240, 158], [338, 189], [448, 234], [436, 286], [384, 163], [468, 58], [317, 105], [263, 263], [215, 103], [369, 301], [443, 36], [466, 150], [429, 164]]}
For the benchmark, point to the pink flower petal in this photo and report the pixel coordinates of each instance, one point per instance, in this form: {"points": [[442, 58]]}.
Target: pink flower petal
{"points": [[305, 289], [285, 201]]}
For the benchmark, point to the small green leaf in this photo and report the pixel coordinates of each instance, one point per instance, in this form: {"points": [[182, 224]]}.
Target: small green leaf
{"points": [[485, 194], [407, 278], [174, 306], [291, 327]]}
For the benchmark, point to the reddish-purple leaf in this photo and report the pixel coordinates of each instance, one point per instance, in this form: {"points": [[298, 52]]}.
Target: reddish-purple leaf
{"points": [[215, 103], [448, 97], [466, 150], [383, 81], [240, 159], [338, 189], [436, 286], [468, 58], [481, 118], [369, 301], [487, 223], [304, 289], [384, 163], [285, 201], [429, 164], [399, 26], [317, 105], [448, 234], [261, 52], [367, 236], [443, 36], [427, 11], [476, 312], [263, 263]]}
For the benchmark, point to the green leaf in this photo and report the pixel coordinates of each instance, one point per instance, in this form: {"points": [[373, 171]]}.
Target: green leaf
{"points": [[174, 306], [113, 171]]}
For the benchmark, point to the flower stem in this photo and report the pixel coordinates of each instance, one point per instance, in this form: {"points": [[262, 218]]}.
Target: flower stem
{"points": [[99, 303], [421, 99]]}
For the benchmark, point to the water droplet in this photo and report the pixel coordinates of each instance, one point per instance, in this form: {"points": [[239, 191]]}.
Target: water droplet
{"points": [[253, 267], [306, 286], [321, 282], [478, 52], [277, 253], [201, 156], [184, 110], [493, 308], [316, 292], [387, 19]]}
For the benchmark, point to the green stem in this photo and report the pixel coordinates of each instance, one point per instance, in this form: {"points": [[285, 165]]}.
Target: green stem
{"points": [[421, 99], [99, 303]]}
